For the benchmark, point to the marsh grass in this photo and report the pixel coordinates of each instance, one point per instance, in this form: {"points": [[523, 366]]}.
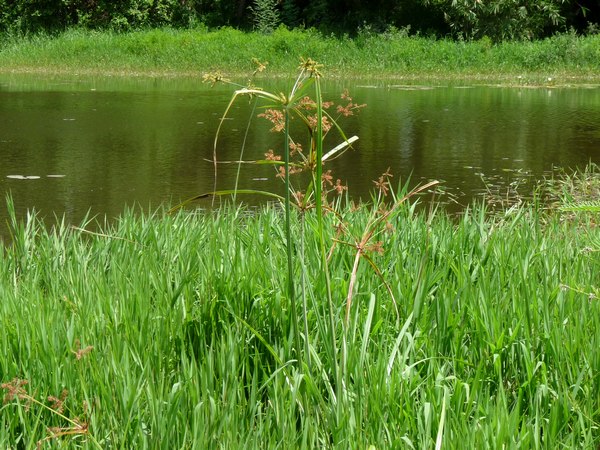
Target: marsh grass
{"points": [[563, 58], [173, 329]]}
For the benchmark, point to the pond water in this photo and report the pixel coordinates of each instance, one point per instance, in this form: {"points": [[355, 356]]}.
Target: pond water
{"points": [[73, 145]]}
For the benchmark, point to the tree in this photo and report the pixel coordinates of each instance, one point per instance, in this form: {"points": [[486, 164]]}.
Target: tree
{"points": [[265, 15], [501, 19]]}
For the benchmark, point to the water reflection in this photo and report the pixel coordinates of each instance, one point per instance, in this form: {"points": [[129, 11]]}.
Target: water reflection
{"points": [[118, 142]]}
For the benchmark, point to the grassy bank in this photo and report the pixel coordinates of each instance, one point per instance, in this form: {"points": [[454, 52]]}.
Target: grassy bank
{"points": [[563, 59], [176, 330]]}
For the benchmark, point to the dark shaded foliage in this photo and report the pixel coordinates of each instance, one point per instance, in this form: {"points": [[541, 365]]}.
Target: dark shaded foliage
{"points": [[496, 19]]}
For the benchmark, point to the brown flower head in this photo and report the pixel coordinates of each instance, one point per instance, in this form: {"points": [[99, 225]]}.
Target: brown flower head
{"points": [[14, 390], [306, 103], [325, 123], [214, 78], [295, 147], [311, 66], [260, 66], [81, 352], [276, 117], [58, 403], [270, 156], [280, 172], [299, 197], [376, 247], [382, 183], [349, 109], [339, 187]]}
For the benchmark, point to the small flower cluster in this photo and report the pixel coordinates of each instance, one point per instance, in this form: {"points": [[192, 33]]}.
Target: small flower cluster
{"points": [[307, 107], [276, 117], [313, 122], [81, 352], [350, 107], [383, 182], [58, 403], [311, 66], [16, 390], [214, 78]]}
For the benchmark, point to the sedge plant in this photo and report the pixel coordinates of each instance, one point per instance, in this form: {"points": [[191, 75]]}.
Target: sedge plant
{"points": [[304, 103]]}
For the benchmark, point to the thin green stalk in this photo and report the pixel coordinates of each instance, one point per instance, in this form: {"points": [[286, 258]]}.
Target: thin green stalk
{"points": [[319, 205], [288, 237], [239, 167], [304, 303], [319, 156]]}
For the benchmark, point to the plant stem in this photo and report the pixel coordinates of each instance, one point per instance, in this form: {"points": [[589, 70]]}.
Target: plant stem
{"points": [[288, 239], [324, 263]]}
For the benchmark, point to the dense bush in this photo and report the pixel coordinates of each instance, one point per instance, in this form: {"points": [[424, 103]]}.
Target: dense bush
{"points": [[501, 19], [496, 19]]}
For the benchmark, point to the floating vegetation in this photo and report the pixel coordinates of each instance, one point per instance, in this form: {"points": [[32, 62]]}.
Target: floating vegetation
{"points": [[32, 177], [23, 177]]}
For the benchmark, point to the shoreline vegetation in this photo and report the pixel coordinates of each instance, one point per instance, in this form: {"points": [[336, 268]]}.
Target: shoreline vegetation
{"points": [[559, 60]]}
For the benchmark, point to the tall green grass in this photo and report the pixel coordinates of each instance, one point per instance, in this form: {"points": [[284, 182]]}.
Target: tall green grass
{"points": [[173, 330], [390, 54]]}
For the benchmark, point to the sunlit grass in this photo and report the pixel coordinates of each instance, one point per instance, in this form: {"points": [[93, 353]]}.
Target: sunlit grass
{"points": [[560, 59], [174, 329]]}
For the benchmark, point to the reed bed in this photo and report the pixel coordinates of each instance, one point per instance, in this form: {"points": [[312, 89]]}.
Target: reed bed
{"points": [[175, 330]]}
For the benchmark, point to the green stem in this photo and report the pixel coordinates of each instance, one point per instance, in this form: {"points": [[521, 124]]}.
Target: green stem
{"points": [[304, 302], [319, 205], [288, 239], [239, 167]]}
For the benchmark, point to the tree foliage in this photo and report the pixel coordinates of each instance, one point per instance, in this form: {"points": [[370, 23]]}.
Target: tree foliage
{"points": [[501, 19], [469, 19], [265, 15]]}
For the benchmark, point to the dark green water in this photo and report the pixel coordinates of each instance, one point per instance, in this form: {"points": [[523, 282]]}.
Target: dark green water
{"points": [[98, 145]]}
